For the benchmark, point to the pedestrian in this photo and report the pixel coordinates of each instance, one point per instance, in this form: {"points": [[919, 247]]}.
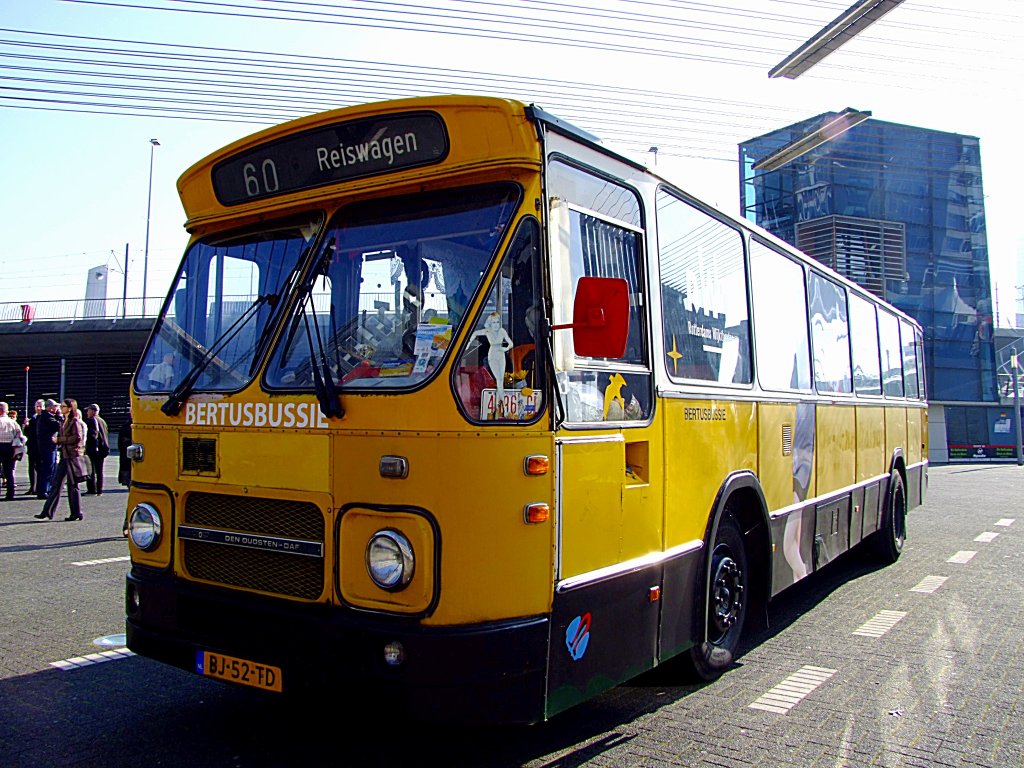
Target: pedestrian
{"points": [[97, 448], [124, 464], [11, 442], [19, 442], [124, 439], [32, 448], [47, 426], [71, 469]]}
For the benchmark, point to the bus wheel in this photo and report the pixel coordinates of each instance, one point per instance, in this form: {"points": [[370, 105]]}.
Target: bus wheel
{"points": [[726, 602], [893, 531]]}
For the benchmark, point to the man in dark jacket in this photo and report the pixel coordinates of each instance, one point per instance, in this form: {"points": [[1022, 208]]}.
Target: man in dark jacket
{"points": [[96, 448], [32, 448], [47, 425]]}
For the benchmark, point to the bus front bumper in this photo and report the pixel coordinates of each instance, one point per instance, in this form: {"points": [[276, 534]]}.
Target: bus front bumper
{"points": [[488, 672]]}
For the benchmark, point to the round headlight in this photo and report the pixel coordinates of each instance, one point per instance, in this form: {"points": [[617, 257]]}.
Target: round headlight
{"points": [[144, 527], [389, 559]]}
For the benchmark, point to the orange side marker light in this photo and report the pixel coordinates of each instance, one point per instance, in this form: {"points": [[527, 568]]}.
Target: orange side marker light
{"points": [[536, 513], [536, 465]]}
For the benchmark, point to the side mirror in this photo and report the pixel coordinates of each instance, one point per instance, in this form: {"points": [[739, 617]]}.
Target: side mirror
{"points": [[600, 317]]}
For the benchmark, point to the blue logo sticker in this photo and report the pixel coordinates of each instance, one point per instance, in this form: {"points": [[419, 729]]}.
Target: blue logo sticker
{"points": [[577, 636]]}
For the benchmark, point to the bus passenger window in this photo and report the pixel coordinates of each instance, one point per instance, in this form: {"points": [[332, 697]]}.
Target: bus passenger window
{"points": [[830, 336], [600, 234], [867, 372], [500, 375], [703, 295], [780, 311], [910, 367], [599, 390], [892, 357]]}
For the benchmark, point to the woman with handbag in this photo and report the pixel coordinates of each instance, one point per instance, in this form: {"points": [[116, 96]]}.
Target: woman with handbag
{"points": [[70, 440]]}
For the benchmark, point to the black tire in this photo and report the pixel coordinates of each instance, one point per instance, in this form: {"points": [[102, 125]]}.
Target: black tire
{"points": [[892, 533], [725, 602]]}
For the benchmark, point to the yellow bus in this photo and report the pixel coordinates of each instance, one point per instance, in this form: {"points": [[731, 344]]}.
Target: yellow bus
{"points": [[450, 402]]}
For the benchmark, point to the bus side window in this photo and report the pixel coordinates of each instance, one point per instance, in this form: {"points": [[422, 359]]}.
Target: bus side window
{"points": [[830, 336], [500, 374], [780, 312], [892, 356], [605, 389], [703, 295], [867, 371], [910, 366]]}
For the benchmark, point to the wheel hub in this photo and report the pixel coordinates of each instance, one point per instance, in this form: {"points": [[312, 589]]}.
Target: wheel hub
{"points": [[726, 594]]}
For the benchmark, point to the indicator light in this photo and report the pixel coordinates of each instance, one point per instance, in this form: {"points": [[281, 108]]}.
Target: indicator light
{"points": [[536, 465], [536, 513], [396, 467]]}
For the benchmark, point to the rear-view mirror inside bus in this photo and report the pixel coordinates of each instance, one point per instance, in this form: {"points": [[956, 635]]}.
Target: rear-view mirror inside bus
{"points": [[600, 317]]}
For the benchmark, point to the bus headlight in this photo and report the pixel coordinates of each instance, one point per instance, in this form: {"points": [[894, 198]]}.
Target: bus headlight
{"points": [[144, 527], [389, 559]]}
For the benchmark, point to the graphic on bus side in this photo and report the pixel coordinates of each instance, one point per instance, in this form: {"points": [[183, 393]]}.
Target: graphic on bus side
{"points": [[577, 636]]}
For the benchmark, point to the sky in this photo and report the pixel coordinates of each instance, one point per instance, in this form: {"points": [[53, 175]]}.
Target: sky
{"points": [[88, 83]]}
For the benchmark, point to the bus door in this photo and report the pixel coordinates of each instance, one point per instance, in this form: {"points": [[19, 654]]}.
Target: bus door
{"points": [[609, 516]]}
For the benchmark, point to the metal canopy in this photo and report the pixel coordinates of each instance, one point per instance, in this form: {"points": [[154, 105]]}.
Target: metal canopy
{"points": [[839, 31], [839, 124]]}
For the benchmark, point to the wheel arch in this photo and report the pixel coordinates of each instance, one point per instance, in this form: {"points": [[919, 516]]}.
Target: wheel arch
{"points": [[898, 463], [741, 492]]}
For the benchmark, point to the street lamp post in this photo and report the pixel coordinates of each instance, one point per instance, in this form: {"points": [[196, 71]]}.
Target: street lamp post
{"points": [[1016, 406], [153, 144]]}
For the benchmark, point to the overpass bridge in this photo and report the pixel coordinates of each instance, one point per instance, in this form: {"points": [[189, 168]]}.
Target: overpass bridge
{"points": [[85, 349]]}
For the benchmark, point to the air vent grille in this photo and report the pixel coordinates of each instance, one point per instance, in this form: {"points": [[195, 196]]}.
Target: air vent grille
{"points": [[199, 454], [867, 251]]}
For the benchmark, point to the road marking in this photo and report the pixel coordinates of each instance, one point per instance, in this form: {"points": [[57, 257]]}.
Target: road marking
{"points": [[794, 689], [104, 561], [986, 537], [1005, 522], [880, 624], [92, 658], [929, 584], [963, 556]]}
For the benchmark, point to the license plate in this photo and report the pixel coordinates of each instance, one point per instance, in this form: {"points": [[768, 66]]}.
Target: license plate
{"points": [[241, 671]]}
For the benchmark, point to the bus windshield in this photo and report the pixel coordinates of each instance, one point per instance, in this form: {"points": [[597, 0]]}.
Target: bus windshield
{"points": [[390, 289], [222, 307]]}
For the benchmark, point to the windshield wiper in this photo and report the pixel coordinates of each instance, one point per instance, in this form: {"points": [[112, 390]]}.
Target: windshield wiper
{"points": [[271, 324], [177, 398], [323, 384]]}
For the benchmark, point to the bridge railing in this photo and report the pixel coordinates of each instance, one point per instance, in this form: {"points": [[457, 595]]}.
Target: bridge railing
{"points": [[79, 309]]}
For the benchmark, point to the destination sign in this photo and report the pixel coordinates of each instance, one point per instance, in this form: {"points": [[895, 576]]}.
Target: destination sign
{"points": [[330, 154]]}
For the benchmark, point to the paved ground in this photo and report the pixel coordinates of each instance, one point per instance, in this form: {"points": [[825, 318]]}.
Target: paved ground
{"points": [[916, 664]]}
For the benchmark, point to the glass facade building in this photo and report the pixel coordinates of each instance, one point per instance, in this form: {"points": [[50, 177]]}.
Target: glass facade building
{"points": [[900, 211]]}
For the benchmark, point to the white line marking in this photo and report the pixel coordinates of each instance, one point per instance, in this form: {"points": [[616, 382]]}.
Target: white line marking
{"points": [[961, 557], [794, 689], [880, 624], [104, 561], [1005, 522], [929, 584], [986, 537], [92, 658]]}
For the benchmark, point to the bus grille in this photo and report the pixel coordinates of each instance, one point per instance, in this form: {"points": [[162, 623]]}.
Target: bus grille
{"points": [[279, 573]]}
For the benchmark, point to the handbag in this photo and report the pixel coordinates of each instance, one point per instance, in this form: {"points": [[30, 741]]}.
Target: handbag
{"points": [[18, 444], [79, 470]]}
